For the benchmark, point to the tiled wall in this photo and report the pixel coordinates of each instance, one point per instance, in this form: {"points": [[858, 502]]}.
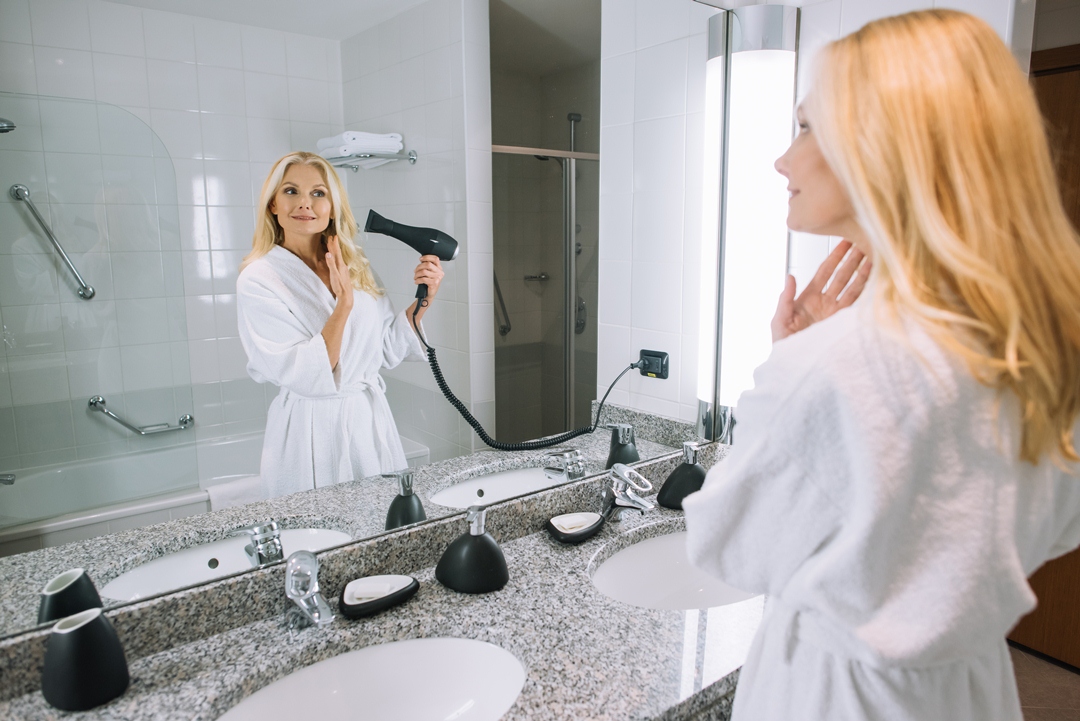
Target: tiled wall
{"points": [[226, 100], [425, 74], [652, 94]]}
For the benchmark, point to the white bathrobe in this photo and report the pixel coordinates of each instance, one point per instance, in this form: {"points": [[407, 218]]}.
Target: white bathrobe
{"points": [[324, 427], [883, 508]]}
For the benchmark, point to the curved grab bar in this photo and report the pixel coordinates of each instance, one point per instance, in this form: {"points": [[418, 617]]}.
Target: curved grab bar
{"points": [[504, 328], [21, 192], [97, 403]]}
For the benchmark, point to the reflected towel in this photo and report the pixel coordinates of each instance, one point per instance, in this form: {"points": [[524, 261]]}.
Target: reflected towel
{"points": [[247, 489], [357, 137]]}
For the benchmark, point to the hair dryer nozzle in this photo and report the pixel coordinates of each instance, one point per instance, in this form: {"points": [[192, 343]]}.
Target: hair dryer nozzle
{"points": [[426, 241]]}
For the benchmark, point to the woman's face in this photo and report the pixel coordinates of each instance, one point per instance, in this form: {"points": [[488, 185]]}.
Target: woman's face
{"points": [[302, 203], [818, 203]]}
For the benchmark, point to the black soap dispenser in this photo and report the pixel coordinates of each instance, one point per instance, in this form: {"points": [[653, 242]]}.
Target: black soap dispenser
{"points": [[406, 507], [473, 563], [623, 449], [684, 480]]}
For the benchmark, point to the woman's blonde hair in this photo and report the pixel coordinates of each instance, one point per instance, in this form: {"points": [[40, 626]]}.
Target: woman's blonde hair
{"points": [[935, 134], [268, 232]]}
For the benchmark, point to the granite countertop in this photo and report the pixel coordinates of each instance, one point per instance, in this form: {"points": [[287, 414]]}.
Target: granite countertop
{"points": [[585, 655], [357, 508]]}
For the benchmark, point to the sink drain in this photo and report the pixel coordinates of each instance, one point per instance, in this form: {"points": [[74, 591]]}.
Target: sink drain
{"points": [[212, 563], [480, 492]]}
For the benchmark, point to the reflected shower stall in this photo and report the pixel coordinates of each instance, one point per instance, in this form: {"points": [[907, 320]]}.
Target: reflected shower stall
{"points": [[545, 246]]}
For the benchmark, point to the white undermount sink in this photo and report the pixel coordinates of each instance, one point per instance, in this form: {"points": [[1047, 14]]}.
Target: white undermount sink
{"points": [[495, 487], [656, 573], [209, 561], [423, 679]]}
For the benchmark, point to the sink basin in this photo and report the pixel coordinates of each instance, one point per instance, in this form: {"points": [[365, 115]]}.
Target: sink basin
{"points": [[720, 621], [200, 564], [440, 679], [495, 487], [656, 573]]}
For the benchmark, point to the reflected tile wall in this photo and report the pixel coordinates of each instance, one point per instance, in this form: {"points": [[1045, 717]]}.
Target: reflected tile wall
{"points": [[151, 189]]}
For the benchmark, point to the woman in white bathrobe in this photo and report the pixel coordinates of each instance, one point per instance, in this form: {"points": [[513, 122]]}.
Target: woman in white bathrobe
{"points": [[902, 466], [314, 321]]}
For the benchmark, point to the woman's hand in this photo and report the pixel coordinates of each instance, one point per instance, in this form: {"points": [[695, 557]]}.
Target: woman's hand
{"points": [[821, 298], [342, 288], [340, 280], [430, 273]]}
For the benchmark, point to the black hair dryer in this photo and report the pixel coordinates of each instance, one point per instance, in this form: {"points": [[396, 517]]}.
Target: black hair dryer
{"points": [[425, 241]]}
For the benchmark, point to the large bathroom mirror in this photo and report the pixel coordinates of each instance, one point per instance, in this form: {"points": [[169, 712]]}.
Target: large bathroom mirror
{"points": [[129, 428]]}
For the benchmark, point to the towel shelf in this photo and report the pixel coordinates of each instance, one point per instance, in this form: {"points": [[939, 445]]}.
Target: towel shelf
{"points": [[97, 403], [351, 161]]}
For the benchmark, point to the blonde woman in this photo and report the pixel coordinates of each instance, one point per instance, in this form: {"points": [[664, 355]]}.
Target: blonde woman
{"points": [[314, 321], [902, 467]]}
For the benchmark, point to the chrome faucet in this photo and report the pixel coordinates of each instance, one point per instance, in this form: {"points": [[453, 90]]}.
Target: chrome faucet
{"points": [[564, 464], [620, 495], [7, 479], [265, 545], [308, 607]]}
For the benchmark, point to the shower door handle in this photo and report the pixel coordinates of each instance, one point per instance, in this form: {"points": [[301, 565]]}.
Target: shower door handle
{"points": [[581, 314]]}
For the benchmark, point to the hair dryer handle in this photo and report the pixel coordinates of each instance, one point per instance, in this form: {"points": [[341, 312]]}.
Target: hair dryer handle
{"points": [[421, 291]]}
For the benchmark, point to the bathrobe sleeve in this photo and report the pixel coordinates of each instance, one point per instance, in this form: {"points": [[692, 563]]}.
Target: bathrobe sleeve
{"points": [[763, 510], [279, 348], [399, 340]]}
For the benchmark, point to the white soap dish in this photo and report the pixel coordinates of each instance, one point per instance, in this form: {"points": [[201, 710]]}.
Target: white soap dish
{"points": [[574, 527], [372, 594]]}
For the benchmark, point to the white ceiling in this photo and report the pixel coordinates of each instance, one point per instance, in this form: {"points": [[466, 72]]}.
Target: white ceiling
{"points": [[334, 19]]}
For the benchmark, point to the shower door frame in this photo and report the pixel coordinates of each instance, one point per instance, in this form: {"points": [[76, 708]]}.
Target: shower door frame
{"points": [[570, 289]]}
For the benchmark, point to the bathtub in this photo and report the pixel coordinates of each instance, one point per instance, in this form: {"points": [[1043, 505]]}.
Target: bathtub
{"points": [[75, 501]]}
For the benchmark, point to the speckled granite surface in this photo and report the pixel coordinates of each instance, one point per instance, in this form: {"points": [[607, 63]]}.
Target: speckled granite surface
{"points": [[586, 656], [649, 427], [357, 508]]}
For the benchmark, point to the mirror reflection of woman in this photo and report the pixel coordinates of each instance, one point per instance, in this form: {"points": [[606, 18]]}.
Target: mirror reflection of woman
{"points": [[314, 321], [903, 465]]}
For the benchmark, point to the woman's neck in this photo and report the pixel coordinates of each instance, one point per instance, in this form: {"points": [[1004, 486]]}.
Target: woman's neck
{"points": [[308, 248]]}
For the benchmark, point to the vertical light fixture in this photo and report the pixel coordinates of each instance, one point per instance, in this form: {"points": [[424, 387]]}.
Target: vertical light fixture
{"points": [[750, 94]]}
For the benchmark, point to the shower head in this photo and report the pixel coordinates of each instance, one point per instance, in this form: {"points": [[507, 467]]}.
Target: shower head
{"points": [[6, 126]]}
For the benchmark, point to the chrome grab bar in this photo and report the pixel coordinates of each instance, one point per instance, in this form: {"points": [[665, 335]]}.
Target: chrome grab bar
{"points": [[97, 403], [504, 328], [21, 192]]}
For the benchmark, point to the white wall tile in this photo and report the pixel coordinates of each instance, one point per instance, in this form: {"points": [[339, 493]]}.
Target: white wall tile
{"points": [[224, 137], [227, 183], [173, 85], [116, 28], [60, 23], [857, 13], [263, 50], [658, 21], [618, 21], [221, 90], [120, 80], [15, 21], [617, 160], [218, 43], [64, 73], [169, 36], [268, 140], [306, 56], [659, 147], [142, 366], [231, 228], [267, 96], [38, 379], [18, 73], [660, 81], [617, 91], [309, 100], [181, 132]]}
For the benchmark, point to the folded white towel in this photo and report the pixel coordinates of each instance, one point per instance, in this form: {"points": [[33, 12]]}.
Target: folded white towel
{"points": [[357, 136], [247, 489]]}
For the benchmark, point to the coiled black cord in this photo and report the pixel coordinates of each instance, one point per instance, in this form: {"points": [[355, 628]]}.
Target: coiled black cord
{"points": [[480, 432]]}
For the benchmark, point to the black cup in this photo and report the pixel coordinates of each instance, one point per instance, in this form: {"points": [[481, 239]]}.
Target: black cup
{"points": [[69, 593], [84, 663]]}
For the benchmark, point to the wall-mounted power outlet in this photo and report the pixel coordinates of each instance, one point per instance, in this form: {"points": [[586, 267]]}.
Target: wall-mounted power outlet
{"points": [[655, 363]]}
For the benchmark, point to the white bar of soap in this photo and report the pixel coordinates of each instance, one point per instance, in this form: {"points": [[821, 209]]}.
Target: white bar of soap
{"points": [[573, 522]]}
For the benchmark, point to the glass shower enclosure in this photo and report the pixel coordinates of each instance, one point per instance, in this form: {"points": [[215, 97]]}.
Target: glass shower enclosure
{"points": [[546, 238]]}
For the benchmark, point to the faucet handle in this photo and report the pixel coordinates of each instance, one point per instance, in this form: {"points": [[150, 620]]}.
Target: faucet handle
{"points": [[625, 476], [404, 479], [302, 588], [259, 531], [565, 461], [476, 515]]}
